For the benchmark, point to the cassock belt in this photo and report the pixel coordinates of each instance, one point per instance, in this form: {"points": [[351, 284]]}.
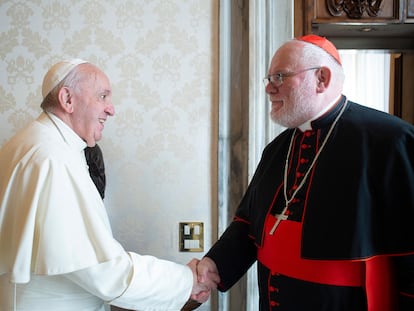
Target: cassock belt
{"points": [[281, 254]]}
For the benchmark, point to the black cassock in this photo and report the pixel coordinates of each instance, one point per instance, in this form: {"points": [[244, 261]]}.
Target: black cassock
{"points": [[357, 204]]}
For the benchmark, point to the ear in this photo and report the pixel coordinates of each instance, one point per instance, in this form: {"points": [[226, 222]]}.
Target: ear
{"points": [[324, 79], [65, 99]]}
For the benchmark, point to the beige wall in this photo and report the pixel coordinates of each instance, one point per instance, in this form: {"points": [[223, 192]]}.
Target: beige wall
{"points": [[162, 59]]}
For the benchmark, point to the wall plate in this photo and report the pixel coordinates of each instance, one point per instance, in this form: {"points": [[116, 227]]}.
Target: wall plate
{"points": [[191, 236]]}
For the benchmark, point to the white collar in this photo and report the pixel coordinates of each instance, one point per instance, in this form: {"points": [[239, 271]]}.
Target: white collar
{"points": [[307, 125], [68, 135]]}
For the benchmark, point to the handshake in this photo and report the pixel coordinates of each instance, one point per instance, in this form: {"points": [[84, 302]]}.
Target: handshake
{"points": [[206, 278]]}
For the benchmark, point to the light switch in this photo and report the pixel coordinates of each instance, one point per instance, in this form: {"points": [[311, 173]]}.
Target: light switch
{"points": [[197, 229], [191, 236], [186, 229]]}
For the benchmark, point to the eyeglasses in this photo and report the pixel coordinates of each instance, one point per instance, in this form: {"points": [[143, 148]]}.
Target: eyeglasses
{"points": [[277, 79]]}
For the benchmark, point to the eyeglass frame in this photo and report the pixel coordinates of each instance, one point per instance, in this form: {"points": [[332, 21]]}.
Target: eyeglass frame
{"points": [[280, 76]]}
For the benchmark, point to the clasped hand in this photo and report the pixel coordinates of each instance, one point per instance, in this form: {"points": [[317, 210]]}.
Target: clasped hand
{"points": [[206, 278]]}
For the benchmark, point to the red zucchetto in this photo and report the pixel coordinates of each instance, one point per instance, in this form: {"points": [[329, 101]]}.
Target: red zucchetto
{"points": [[323, 43]]}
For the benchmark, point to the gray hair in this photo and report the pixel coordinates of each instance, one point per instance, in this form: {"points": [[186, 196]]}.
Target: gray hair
{"points": [[72, 80]]}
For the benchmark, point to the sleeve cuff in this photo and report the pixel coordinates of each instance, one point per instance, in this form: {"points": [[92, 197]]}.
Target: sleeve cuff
{"points": [[156, 285]]}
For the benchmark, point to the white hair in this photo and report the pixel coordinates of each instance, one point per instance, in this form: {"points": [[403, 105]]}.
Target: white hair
{"points": [[315, 56]]}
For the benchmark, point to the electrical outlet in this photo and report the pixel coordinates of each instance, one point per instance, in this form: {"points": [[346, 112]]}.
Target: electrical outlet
{"points": [[191, 236]]}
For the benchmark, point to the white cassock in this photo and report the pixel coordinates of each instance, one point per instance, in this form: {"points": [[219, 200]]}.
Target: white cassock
{"points": [[57, 251]]}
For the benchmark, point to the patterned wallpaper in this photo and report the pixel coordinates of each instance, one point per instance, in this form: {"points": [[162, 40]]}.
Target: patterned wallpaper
{"points": [[162, 59]]}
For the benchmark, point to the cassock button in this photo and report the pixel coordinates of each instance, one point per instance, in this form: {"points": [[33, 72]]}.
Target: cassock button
{"points": [[273, 289]]}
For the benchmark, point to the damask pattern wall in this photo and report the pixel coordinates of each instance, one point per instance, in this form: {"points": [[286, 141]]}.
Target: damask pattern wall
{"points": [[159, 148]]}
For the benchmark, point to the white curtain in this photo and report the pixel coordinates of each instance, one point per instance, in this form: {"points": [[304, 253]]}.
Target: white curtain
{"points": [[367, 79]]}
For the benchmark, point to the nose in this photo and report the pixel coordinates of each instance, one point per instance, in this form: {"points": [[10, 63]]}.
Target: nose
{"points": [[271, 89], [110, 109]]}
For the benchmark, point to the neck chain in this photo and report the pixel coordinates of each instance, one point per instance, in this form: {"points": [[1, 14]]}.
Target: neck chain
{"points": [[282, 215]]}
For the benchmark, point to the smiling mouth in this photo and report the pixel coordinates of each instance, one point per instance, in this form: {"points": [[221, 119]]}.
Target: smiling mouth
{"points": [[102, 120], [276, 103]]}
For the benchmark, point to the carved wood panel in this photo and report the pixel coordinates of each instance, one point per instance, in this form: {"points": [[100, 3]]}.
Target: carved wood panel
{"points": [[363, 24], [355, 11]]}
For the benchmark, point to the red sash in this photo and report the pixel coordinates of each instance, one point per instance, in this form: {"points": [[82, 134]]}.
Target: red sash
{"points": [[281, 254]]}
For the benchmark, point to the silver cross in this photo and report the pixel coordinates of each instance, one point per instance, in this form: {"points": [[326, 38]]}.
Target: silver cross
{"points": [[279, 217]]}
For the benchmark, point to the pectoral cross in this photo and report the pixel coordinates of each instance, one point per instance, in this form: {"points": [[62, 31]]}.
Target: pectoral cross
{"points": [[279, 217]]}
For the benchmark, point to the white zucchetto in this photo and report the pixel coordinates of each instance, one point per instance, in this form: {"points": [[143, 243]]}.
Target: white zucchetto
{"points": [[57, 73]]}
